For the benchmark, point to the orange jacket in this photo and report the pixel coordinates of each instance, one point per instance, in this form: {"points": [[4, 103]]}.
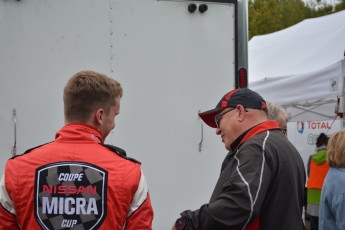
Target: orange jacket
{"points": [[74, 182], [317, 174]]}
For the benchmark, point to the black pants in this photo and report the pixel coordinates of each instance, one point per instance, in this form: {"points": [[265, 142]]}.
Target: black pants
{"points": [[314, 222]]}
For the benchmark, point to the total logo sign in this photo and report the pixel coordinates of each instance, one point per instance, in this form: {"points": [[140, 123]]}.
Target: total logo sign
{"points": [[300, 127], [303, 135], [314, 128]]}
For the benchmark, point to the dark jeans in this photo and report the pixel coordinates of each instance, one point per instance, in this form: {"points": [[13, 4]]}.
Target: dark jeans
{"points": [[314, 222]]}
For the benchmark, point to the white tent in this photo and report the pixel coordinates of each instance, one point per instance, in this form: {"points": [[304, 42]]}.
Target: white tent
{"points": [[302, 67]]}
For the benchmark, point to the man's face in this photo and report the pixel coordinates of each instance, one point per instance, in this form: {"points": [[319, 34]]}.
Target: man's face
{"points": [[226, 128], [109, 118]]}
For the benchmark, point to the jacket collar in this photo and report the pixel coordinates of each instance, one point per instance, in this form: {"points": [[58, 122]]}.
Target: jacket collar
{"points": [[264, 126], [79, 132]]}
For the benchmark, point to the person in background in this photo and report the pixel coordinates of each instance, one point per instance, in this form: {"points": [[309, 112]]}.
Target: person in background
{"points": [[278, 113], [262, 180], [77, 181], [317, 170], [332, 202]]}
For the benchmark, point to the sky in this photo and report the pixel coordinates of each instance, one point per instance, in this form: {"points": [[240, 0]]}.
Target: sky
{"points": [[322, 2]]}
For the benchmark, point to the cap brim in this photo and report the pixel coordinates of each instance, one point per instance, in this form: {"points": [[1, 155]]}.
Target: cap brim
{"points": [[209, 116]]}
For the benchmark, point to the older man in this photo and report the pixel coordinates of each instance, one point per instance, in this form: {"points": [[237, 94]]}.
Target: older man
{"points": [[261, 185], [278, 113]]}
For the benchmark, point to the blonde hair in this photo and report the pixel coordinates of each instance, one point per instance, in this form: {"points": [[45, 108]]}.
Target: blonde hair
{"points": [[336, 150], [86, 91]]}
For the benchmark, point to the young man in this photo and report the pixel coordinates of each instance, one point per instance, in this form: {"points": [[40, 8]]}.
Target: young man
{"points": [[76, 181], [261, 185]]}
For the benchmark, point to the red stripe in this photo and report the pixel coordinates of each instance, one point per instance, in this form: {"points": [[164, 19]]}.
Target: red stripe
{"points": [[254, 225], [227, 97], [271, 124]]}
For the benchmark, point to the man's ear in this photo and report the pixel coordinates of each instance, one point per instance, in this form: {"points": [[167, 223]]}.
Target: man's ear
{"points": [[241, 112], [99, 115]]}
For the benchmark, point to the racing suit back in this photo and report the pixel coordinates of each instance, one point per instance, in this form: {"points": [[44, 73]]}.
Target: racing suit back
{"points": [[75, 182]]}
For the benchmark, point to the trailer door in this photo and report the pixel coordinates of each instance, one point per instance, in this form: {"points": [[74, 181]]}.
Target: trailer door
{"points": [[173, 63]]}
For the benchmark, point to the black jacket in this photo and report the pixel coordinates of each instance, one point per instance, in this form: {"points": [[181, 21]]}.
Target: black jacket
{"points": [[261, 185]]}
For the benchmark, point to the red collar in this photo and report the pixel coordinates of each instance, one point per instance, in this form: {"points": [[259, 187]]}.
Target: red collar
{"points": [[262, 127], [78, 132]]}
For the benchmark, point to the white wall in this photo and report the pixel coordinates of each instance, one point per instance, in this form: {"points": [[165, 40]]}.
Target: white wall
{"points": [[167, 78]]}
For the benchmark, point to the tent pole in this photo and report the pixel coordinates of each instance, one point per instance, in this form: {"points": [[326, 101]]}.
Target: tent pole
{"points": [[342, 122]]}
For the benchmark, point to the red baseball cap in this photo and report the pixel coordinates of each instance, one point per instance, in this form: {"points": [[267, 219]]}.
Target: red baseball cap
{"points": [[245, 97]]}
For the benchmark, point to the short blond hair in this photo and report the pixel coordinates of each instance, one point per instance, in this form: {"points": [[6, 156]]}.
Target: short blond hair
{"points": [[336, 150], [87, 91]]}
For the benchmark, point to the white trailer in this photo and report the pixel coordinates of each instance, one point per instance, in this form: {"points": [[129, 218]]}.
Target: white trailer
{"points": [[173, 59]]}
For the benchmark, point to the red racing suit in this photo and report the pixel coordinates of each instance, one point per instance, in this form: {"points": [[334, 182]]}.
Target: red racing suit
{"points": [[74, 182]]}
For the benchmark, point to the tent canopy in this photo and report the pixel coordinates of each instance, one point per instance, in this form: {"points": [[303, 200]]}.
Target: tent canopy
{"points": [[301, 67]]}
